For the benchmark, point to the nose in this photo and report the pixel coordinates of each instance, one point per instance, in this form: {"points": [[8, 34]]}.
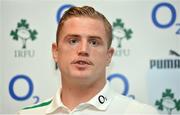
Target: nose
{"points": [[83, 49]]}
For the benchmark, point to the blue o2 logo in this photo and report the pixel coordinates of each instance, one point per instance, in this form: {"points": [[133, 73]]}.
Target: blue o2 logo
{"points": [[123, 78], [125, 82], [29, 93], [173, 15], [61, 10], [172, 19]]}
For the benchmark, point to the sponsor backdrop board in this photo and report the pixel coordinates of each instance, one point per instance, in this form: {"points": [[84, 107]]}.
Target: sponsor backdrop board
{"points": [[145, 66], [1, 58]]}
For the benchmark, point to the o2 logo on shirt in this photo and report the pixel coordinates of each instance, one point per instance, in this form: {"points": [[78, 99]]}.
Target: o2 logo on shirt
{"points": [[16, 85], [61, 10], [125, 83], [172, 19]]}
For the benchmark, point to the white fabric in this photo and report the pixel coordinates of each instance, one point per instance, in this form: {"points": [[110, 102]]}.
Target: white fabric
{"points": [[107, 101]]}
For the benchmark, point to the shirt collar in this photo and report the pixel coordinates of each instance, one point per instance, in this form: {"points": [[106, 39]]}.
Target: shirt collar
{"points": [[100, 101], [56, 103], [103, 99]]}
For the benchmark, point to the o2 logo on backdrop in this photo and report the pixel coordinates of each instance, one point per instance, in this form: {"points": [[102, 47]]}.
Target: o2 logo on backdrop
{"points": [[172, 19], [125, 83], [13, 89], [61, 10]]}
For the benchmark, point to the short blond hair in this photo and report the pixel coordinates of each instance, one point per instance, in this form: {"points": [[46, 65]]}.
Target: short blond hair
{"points": [[85, 11]]}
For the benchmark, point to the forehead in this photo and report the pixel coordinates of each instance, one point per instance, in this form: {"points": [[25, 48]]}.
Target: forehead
{"points": [[83, 26]]}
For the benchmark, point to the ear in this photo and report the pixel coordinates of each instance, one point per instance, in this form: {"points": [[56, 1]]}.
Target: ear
{"points": [[110, 53], [55, 51]]}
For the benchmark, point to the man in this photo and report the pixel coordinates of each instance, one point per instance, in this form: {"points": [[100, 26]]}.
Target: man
{"points": [[82, 52]]}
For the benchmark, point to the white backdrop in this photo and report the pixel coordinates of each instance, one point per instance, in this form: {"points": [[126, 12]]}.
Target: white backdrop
{"points": [[1, 60], [28, 75]]}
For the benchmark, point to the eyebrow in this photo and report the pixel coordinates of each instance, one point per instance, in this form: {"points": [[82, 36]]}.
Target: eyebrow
{"points": [[72, 35], [97, 37], [89, 36]]}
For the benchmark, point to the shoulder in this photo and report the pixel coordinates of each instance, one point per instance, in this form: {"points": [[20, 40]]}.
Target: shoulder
{"points": [[131, 106], [39, 108]]}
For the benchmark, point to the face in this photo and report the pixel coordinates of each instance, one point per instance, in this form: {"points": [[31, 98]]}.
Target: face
{"points": [[82, 51]]}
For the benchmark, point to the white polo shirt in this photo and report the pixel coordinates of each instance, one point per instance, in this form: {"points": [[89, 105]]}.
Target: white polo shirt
{"points": [[106, 102]]}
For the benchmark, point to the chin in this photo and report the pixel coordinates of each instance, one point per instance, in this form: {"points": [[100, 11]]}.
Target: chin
{"points": [[81, 76]]}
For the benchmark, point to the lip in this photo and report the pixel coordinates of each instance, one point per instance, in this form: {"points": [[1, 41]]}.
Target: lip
{"points": [[82, 63]]}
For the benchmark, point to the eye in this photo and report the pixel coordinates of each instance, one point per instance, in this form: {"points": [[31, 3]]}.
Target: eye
{"points": [[73, 41], [93, 42]]}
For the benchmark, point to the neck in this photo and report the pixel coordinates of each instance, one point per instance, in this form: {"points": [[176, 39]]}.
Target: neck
{"points": [[75, 93]]}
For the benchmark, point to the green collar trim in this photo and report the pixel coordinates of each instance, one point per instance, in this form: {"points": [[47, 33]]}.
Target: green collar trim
{"points": [[39, 105]]}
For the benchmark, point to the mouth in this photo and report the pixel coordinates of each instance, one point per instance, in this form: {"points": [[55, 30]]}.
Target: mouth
{"points": [[82, 62]]}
